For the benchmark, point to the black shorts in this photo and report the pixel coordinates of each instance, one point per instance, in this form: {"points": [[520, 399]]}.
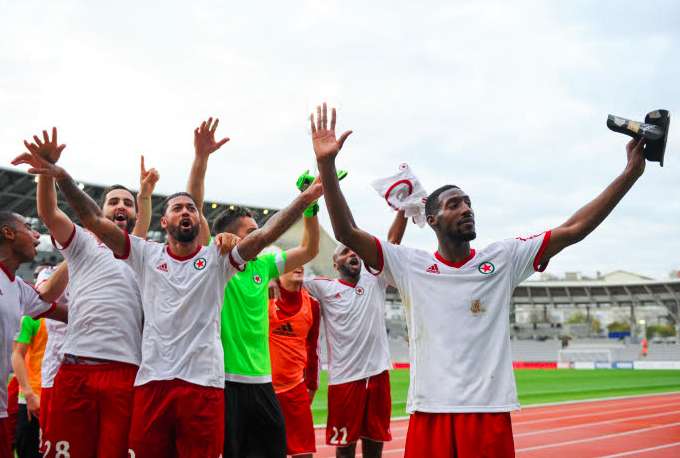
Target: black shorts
{"points": [[253, 422]]}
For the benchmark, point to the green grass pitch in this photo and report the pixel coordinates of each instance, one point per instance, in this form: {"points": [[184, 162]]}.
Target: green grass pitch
{"points": [[542, 386]]}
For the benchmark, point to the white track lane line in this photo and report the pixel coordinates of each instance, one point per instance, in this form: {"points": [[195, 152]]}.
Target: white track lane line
{"points": [[527, 410], [595, 423], [581, 415], [597, 438], [643, 450]]}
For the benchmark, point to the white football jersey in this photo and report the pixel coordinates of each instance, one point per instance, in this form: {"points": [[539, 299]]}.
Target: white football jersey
{"points": [[105, 309], [182, 299], [458, 323], [354, 322], [16, 299], [56, 332]]}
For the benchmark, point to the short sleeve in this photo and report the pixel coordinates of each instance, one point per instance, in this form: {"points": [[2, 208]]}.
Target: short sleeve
{"points": [[316, 286], [134, 252], [229, 264], [76, 246], [28, 330], [526, 253], [392, 262], [31, 302], [274, 264]]}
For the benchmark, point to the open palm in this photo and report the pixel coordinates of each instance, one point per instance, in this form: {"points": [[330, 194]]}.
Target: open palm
{"points": [[326, 146], [49, 150], [204, 138]]}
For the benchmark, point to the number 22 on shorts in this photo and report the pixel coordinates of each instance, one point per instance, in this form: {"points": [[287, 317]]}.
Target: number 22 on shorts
{"points": [[336, 439]]}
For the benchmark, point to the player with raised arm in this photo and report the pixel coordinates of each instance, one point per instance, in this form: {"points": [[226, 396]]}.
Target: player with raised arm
{"points": [[179, 388], [353, 310], [252, 410], [92, 394], [18, 242], [462, 387]]}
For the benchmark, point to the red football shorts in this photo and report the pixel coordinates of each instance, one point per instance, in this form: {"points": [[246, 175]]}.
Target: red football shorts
{"points": [[89, 413], [461, 435], [359, 409], [6, 438], [45, 398], [177, 418], [297, 413]]}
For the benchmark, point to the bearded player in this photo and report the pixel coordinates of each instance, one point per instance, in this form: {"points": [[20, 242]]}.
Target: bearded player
{"points": [[252, 410], [92, 395], [179, 389], [462, 387]]}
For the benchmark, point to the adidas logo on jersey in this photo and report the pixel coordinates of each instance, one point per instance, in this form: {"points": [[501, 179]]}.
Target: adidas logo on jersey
{"points": [[433, 269], [285, 330], [163, 267]]}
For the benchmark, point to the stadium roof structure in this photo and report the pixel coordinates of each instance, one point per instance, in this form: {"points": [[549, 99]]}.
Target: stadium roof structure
{"points": [[598, 293], [17, 194]]}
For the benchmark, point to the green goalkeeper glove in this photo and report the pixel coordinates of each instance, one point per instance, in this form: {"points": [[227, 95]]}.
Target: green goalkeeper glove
{"points": [[304, 181]]}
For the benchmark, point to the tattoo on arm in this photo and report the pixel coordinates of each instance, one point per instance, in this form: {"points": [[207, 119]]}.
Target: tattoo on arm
{"points": [[84, 206]]}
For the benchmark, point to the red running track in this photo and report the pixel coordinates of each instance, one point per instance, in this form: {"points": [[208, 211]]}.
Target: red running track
{"points": [[642, 426]]}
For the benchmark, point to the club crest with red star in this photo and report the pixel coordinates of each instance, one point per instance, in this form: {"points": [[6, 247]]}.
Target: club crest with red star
{"points": [[359, 290], [257, 279], [200, 264], [486, 268]]}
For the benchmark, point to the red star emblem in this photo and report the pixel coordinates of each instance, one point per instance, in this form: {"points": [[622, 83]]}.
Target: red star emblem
{"points": [[486, 267]]}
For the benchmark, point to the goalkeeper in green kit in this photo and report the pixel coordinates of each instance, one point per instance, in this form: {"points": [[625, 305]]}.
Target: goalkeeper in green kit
{"points": [[254, 424]]}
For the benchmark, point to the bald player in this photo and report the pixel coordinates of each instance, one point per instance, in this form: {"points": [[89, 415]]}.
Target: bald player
{"points": [[462, 387], [353, 311]]}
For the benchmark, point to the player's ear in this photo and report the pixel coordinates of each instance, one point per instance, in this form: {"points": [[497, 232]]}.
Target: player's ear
{"points": [[164, 222], [432, 221], [7, 232]]}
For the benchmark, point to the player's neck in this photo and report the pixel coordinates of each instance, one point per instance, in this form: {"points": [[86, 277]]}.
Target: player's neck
{"points": [[290, 285], [454, 250], [349, 279], [8, 262], [182, 249]]}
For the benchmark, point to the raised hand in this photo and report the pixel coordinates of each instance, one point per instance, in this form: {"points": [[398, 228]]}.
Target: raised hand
{"points": [[315, 190], [39, 166], [326, 146], [147, 180], [204, 138], [50, 150], [636, 156]]}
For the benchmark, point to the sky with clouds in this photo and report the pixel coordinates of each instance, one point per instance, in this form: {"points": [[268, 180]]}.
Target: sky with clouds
{"points": [[506, 99]]}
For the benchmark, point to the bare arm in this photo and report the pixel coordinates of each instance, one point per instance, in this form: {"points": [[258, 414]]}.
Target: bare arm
{"points": [[53, 287], [326, 148], [585, 220], [21, 373], [59, 225], [57, 222], [252, 244], [308, 248], [58, 313], [147, 183], [396, 232], [204, 145]]}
